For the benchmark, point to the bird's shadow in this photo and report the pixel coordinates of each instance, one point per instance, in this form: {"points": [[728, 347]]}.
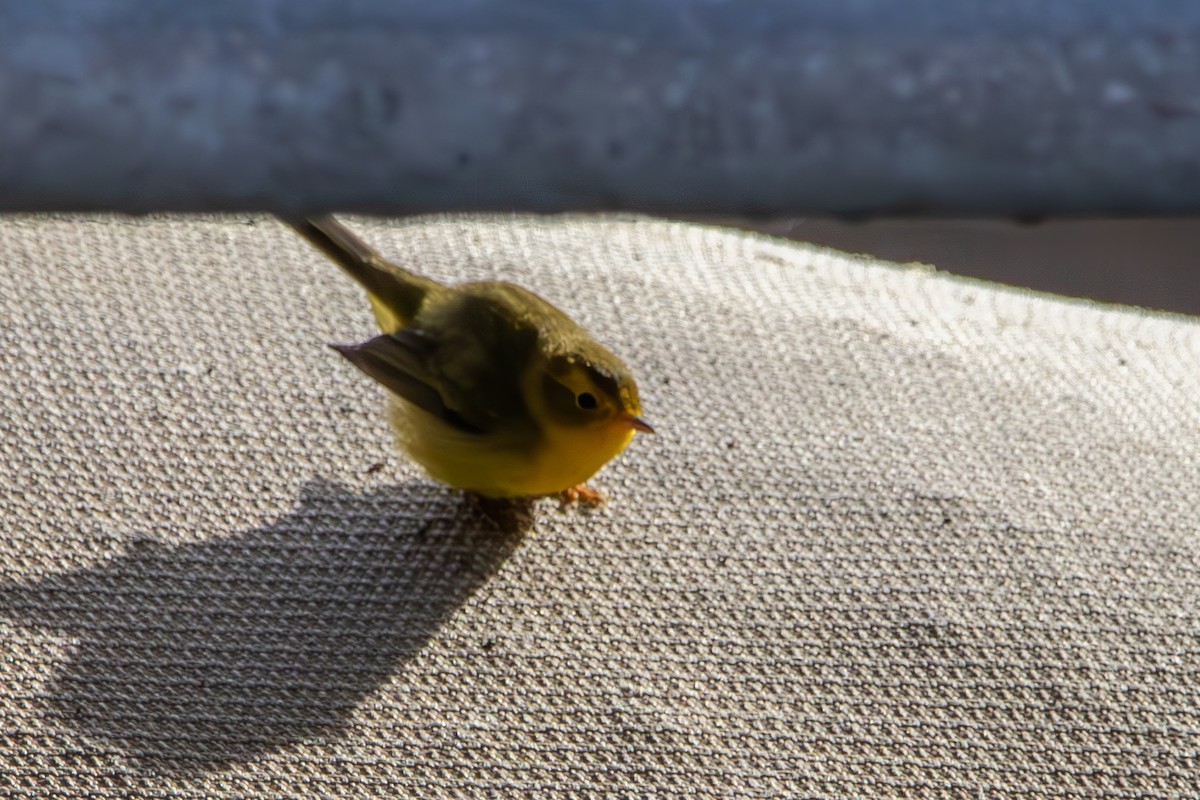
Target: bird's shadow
{"points": [[193, 656]]}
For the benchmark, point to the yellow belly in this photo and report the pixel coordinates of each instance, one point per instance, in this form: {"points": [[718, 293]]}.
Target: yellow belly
{"points": [[498, 467]]}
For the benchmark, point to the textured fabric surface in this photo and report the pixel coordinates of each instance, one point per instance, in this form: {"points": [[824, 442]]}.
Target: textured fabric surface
{"points": [[900, 535]]}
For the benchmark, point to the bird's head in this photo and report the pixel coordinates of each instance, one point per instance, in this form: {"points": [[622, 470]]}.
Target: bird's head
{"points": [[591, 390]]}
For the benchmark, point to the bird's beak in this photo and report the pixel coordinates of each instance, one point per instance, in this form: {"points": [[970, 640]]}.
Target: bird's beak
{"points": [[639, 424]]}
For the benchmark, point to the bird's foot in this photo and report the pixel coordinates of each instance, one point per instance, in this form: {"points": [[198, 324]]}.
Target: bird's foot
{"points": [[509, 515], [581, 494]]}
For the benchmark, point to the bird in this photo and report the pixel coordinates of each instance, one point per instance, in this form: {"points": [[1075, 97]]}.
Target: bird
{"points": [[493, 390]]}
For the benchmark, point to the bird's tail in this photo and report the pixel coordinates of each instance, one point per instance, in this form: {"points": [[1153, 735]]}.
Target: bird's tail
{"points": [[396, 294]]}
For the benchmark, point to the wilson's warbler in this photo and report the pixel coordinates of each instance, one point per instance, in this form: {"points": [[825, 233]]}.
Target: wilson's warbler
{"points": [[494, 390]]}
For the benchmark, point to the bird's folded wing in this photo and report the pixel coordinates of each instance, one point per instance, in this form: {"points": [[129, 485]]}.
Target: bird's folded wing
{"points": [[399, 362]]}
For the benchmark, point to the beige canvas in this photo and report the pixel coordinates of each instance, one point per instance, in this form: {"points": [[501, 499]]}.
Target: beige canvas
{"points": [[899, 535]]}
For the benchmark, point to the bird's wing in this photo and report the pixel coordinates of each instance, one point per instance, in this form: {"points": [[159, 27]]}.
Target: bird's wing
{"points": [[480, 354], [404, 362]]}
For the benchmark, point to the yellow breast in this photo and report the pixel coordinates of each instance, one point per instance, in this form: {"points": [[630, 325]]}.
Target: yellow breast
{"points": [[498, 467]]}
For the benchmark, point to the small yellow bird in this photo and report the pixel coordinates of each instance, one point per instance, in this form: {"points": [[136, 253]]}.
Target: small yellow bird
{"points": [[494, 390]]}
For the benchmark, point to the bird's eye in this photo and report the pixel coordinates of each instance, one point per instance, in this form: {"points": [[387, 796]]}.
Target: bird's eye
{"points": [[586, 401]]}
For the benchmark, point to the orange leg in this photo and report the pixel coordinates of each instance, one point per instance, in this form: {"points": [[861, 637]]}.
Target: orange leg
{"points": [[582, 494]]}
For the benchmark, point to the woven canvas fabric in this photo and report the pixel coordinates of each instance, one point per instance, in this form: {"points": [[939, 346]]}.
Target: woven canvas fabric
{"points": [[899, 535]]}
